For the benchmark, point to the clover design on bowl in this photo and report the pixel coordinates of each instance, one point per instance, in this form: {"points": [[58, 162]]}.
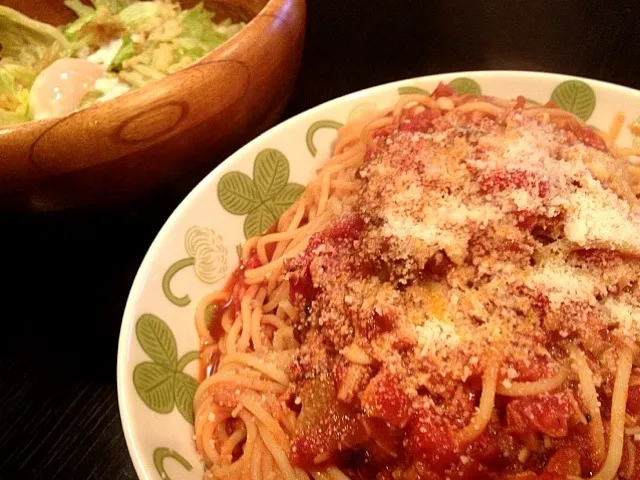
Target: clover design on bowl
{"points": [[262, 198], [161, 383]]}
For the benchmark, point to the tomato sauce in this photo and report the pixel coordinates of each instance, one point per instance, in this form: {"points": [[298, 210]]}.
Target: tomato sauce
{"points": [[385, 433], [236, 287]]}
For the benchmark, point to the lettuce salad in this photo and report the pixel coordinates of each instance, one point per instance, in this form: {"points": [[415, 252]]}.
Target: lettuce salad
{"points": [[133, 43]]}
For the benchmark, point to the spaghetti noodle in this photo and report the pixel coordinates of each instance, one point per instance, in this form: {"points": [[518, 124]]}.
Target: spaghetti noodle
{"points": [[454, 295]]}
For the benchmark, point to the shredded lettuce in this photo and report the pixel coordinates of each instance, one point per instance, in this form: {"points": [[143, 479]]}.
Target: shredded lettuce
{"points": [[26, 41], [71, 31], [159, 38], [127, 50], [79, 8], [22, 75], [114, 6], [28, 46], [103, 14], [196, 21], [166, 39], [199, 34], [197, 24], [191, 47], [85, 14], [14, 99], [139, 12]]}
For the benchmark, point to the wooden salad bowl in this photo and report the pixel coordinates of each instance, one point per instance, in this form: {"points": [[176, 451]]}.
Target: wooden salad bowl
{"points": [[117, 149]]}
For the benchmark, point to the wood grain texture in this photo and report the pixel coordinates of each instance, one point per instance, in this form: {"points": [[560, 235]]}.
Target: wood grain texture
{"points": [[155, 133], [67, 275]]}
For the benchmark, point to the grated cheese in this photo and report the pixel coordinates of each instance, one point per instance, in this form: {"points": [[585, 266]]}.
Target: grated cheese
{"points": [[626, 315], [599, 219], [445, 228], [472, 231], [562, 283], [436, 336]]}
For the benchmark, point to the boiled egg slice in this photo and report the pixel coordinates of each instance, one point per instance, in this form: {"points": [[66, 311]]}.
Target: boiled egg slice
{"points": [[60, 87]]}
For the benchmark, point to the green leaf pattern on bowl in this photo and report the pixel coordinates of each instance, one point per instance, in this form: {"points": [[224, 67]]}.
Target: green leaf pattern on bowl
{"points": [[315, 126], [465, 86], [413, 91], [262, 198], [161, 382], [575, 96], [159, 456], [461, 85], [237, 193], [335, 125]]}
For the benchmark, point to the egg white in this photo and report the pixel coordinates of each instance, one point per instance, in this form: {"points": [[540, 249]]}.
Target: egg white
{"points": [[60, 88]]}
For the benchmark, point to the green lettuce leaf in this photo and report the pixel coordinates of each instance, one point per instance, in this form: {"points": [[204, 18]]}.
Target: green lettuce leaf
{"points": [[14, 98], [83, 40], [85, 14], [139, 12], [127, 50], [27, 42], [71, 31], [197, 24], [79, 8], [22, 75], [191, 47], [196, 21], [114, 6]]}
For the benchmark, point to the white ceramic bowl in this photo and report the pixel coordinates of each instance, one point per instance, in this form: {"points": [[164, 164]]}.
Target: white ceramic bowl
{"points": [[196, 249]]}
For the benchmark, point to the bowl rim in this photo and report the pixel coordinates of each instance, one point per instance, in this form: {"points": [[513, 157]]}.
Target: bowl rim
{"points": [[125, 394], [17, 127]]}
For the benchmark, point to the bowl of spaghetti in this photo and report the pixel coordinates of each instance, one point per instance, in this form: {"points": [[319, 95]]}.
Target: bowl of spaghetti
{"points": [[443, 284]]}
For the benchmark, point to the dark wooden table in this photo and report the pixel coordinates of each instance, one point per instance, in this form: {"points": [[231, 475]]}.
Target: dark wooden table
{"points": [[67, 276]]}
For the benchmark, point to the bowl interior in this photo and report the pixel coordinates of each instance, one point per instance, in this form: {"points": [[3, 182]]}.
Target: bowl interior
{"points": [[197, 247], [55, 12]]}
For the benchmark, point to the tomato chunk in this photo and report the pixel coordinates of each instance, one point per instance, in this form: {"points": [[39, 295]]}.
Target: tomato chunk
{"points": [[590, 138], [551, 476], [419, 122], [301, 283], [633, 400], [494, 446], [547, 414], [565, 461], [384, 398], [430, 440], [443, 90]]}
